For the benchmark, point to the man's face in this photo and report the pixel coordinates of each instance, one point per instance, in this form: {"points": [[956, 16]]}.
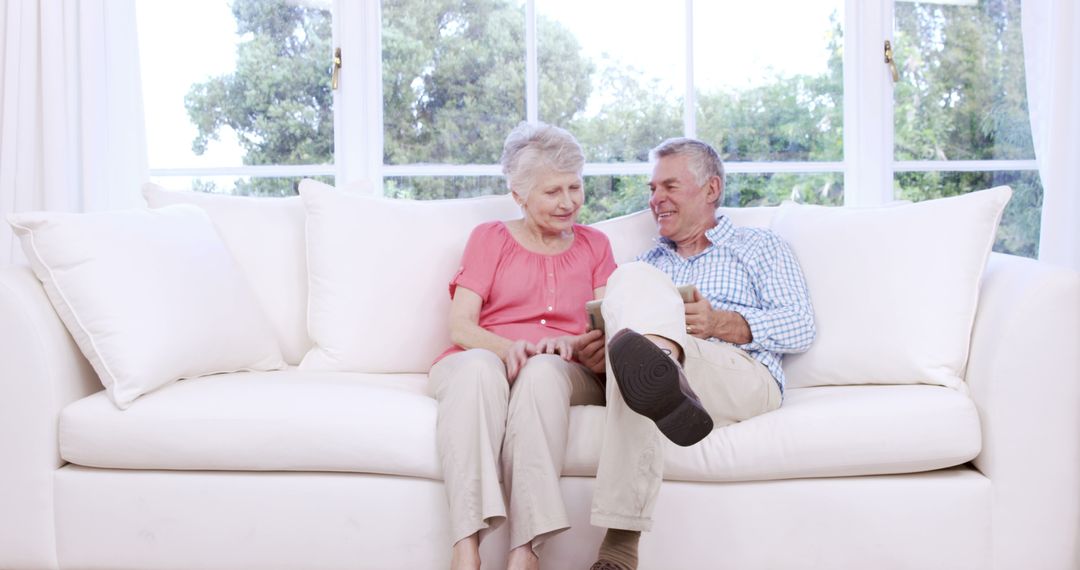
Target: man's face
{"points": [[683, 210]]}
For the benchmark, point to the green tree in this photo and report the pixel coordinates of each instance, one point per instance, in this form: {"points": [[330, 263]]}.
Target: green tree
{"points": [[453, 86], [278, 101], [453, 83], [963, 97]]}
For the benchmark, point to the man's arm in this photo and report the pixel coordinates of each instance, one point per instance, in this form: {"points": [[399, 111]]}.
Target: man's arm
{"points": [[703, 321], [784, 323]]}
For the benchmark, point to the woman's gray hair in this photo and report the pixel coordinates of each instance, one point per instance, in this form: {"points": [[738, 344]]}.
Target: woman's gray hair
{"points": [[531, 146], [702, 158]]}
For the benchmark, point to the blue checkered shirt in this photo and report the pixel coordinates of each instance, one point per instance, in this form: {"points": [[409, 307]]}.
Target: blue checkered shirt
{"points": [[750, 271]]}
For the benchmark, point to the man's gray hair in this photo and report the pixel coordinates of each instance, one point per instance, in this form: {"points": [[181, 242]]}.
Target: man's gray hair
{"points": [[702, 158], [531, 146]]}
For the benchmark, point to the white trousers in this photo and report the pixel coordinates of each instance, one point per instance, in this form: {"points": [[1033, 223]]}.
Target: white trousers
{"points": [[487, 427], [732, 387]]}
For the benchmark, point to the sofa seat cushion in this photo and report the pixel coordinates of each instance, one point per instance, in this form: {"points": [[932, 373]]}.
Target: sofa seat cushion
{"points": [[818, 432], [289, 420], [296, 420]]}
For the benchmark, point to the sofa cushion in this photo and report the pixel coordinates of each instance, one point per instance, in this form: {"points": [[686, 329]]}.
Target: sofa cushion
{"points": [[298, 420], [818, 432], [150, 296], [266, 237], [378, 271], [894, 288], [289, 420], [633, 234]]}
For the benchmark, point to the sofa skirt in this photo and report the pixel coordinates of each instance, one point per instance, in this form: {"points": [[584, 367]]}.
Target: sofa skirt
{"points": [[132, 519]]}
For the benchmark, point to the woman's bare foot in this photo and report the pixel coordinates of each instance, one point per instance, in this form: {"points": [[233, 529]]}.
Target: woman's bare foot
{"points": [[466, 554], [523, 558]]}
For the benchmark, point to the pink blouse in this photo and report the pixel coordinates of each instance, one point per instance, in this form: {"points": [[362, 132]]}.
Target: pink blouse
{"points": [[528, 295]]}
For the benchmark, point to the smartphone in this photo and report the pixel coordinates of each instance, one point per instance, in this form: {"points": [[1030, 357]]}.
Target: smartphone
{"points": [[596, 318], [687, 293]]}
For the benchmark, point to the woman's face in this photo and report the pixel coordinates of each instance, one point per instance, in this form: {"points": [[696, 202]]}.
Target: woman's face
{"points": [[553, 203]]}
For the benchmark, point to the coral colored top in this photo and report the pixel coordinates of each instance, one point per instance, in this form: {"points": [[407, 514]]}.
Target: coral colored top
{"points": [[528, 295]]}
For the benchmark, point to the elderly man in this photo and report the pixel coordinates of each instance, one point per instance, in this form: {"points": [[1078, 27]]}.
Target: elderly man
{"points": [[682, 368]]}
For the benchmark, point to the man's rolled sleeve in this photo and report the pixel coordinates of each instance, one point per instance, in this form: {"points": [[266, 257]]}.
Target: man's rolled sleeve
{"points": [[786, 330]]}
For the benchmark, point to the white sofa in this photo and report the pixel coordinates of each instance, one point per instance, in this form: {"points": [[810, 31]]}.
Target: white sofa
{"points": [[322, 468]]}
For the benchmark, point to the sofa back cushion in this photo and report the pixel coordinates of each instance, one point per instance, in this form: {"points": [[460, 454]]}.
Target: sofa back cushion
{"points": [[633, 234], [378, 275], [150, 296], [266, 237], [894, 288]]}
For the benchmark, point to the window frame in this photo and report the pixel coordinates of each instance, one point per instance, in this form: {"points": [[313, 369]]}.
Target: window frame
{"points": [[868, 166]]}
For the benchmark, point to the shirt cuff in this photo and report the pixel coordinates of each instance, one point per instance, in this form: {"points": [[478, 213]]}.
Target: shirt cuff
{"points": [[758, 329]]}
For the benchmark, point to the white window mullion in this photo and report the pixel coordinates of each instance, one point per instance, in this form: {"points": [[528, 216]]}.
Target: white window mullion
{"points": [[868, 103], [532, 78], [690, 100], [358, 151]]}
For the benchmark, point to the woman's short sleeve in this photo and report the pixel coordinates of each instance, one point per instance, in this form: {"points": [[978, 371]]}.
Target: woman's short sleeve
{"points": [[479, 261]]}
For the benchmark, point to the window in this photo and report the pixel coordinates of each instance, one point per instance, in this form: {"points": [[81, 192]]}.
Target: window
{"points": [[242, 104], [961, 120], [795, 95]]}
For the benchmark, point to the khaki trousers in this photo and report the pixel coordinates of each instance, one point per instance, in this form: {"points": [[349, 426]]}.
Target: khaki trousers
{"points": [[481, 417], [732, 387]]}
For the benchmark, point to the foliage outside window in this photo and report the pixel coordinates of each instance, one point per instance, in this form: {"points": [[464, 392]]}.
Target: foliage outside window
{"points": [[963, 97], [454, 85]]}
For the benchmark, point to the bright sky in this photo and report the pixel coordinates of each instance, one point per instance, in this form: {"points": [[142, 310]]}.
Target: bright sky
{"points": [[737, 43]]}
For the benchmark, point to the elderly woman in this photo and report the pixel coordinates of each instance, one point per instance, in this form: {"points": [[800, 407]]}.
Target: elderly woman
{"points": [[521, 354]]}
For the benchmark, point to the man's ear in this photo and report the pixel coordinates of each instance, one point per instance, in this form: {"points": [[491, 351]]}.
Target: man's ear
{"points": [[714, 190]]}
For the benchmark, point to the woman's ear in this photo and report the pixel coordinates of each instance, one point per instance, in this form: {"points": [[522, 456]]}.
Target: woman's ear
{"points": [[517, 198]]}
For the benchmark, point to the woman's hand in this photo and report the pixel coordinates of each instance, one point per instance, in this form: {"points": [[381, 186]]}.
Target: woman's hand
{"points": [[515, 358], [589, 349], [561, 345]]}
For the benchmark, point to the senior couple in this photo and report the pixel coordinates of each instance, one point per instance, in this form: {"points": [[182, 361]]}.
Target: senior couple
{"points": [[675, 369]]}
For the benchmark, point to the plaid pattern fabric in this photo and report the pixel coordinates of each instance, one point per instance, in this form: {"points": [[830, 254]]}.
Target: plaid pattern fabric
{"points": [[750, 271]]}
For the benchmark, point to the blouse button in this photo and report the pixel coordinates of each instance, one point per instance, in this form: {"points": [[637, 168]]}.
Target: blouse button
{"points": [[550, 308], [543, 321]]}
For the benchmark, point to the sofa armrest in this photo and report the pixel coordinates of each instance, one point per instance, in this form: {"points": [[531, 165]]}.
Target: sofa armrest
{"points": [[41, 371], [1024, 375]]}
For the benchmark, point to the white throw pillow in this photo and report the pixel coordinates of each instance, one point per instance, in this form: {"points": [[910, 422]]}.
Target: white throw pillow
{"points": [[150, 296], [266, 237], [378, 272], [894, 287]]}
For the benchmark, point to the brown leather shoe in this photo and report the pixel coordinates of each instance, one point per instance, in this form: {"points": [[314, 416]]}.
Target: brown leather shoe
{"points": [[605, 564], [653, 385]]}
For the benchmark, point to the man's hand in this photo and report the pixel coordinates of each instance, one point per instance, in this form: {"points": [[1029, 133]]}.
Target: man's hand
{"points": [[702, 321]]}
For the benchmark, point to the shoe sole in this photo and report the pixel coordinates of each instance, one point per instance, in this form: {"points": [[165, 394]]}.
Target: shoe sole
{"points": [[653, 385]]}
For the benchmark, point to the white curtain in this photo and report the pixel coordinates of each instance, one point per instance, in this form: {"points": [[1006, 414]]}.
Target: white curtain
{"points": [[72, 136], [1051, 30]]}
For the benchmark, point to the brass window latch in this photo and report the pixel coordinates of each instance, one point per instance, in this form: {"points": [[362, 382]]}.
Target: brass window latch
{"points": [[892, 63], [337, 68]]}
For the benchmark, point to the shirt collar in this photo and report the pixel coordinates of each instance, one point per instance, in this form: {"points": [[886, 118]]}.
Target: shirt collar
{"points": [[722, 231]]}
